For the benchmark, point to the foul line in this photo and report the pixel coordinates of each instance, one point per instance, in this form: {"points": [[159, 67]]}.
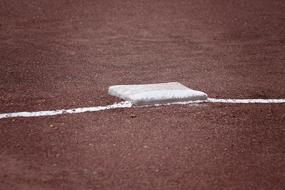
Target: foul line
{"points": [[127, 104], [66, 111], [246, 101]]}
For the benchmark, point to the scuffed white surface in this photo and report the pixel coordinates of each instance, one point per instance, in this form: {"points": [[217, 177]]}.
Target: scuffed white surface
{"points": [[156, 93]]}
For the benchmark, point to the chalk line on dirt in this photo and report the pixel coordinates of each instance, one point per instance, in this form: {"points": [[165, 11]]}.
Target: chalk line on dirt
{"points": [[127, 104], [66, 111], [246, 101]]}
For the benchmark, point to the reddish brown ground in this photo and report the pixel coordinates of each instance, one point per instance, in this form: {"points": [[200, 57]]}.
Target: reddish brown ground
{"points": [[62, 54]]}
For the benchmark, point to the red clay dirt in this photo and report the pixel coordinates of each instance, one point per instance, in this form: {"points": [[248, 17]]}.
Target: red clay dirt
{"points": [[62, 54]]}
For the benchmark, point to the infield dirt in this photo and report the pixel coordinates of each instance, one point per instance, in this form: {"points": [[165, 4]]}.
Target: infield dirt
{"points": [[61, 54]]}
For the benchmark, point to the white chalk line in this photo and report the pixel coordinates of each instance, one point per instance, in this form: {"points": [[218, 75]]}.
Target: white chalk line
{"points": [[246, 101], [66, 111], [127, 104]]}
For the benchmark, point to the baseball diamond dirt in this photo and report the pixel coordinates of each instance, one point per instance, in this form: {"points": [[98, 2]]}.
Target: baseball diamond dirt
{"points": [[61, 54]]}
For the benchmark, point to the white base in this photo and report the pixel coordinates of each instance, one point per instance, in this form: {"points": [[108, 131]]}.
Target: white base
{"points": [[156, 93]]}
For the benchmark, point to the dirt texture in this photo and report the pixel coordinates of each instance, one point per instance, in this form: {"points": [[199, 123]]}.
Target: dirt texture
{"points": [[62, 53]]}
